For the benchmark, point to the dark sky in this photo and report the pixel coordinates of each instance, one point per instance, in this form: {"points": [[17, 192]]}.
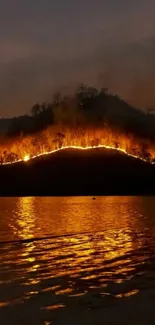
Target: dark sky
{"points": [[47, 45]]}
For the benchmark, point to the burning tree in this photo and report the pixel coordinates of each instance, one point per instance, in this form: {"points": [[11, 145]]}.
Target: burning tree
{"points": [[144, 151], [59, 139], [9, 157], [95, 142]]}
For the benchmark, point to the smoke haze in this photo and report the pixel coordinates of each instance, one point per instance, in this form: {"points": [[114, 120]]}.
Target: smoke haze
{"points": [[55, 45]]}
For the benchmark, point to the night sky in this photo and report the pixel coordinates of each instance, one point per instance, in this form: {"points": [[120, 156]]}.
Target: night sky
{"points": [[49, 45]]}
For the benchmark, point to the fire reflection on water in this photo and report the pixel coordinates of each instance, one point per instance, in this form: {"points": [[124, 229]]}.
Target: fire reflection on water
{"points": [[80, 255], [26, 218], [26, 231], [95, 245]]}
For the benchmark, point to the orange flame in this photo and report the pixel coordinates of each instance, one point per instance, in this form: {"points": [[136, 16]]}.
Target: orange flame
{"points": [[55, 138], [26, 158]]}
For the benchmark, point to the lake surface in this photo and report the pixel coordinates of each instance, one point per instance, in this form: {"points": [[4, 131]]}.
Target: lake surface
{"points": [[76, 260]]}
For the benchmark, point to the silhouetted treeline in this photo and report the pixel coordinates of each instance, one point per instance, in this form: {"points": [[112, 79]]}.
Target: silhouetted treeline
{"points": [[41, 117], [89, 106]]}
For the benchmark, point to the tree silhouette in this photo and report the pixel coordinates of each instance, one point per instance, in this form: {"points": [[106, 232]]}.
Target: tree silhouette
{"points": [[35, 110], [57, 98]]}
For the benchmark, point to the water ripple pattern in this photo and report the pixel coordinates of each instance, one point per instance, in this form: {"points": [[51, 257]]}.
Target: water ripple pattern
{"points": [[58, 255]]}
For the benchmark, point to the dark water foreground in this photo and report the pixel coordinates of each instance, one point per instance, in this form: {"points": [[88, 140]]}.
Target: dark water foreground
{"points": [[77, 261]]}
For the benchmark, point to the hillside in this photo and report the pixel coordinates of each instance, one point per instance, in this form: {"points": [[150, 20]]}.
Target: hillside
{"points": [[90, 106], [76, 172]]}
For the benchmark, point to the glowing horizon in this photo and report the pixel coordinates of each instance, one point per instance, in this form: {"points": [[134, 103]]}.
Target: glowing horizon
{"points": [[27, 157]]}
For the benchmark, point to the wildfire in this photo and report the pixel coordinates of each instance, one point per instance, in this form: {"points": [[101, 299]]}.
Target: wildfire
{"points": [[50, 141], [26, 158]]}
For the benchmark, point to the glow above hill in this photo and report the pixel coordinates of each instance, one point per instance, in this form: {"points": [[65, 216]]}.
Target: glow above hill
{"points": [[26, 158]]}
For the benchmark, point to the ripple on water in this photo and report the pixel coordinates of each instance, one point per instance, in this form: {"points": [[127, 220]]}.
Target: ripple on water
{"points": [[77, 264]]}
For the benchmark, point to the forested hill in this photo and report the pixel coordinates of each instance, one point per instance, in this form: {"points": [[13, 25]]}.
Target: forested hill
{"points": [[88, 105]]}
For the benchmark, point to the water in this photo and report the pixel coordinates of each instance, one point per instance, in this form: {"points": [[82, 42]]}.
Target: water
{"points": [[77, 261]]}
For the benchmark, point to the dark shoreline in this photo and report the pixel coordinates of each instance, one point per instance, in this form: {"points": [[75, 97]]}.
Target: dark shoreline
{"points": [[79, 173]]}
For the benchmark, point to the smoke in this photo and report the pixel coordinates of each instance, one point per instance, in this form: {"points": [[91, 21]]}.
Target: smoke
{"points": [[54, 46], [128, 71]]}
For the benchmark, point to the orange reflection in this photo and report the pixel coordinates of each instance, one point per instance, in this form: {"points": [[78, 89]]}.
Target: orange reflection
{"points": [[108, 224], [93, 243], [25, 228], [53, 307], [127, 294], [26, 218]]}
